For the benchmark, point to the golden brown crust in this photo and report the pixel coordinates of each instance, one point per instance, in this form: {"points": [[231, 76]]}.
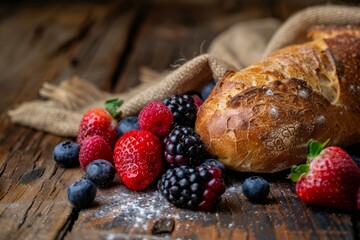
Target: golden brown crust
{"points": [[261, 118]]}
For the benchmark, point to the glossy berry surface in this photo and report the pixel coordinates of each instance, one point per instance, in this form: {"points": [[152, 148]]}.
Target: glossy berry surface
{"points": [[66, 154], [156, 118], [98, 121], [183, 109], [183, 146], [127, 124], [215, 163], [256, 188], [94, 148], [193, 188], [81, 193], [100, 172], [206, 90], [138, 159], [198, 101], [330, 177]]}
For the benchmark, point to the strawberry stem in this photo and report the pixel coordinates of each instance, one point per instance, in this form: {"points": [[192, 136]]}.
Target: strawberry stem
{"points": [[298, 170], [112, 105], [314, 148]]}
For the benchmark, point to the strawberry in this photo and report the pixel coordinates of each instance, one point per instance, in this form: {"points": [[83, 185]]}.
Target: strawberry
{"points": [[138, 158], [100, 121], [94, 148], [330, 178]]}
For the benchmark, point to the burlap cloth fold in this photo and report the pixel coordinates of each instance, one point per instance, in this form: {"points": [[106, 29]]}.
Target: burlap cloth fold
{"points": [[236, 48]]}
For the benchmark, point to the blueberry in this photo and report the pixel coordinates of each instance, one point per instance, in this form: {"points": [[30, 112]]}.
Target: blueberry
{"points": [[127, 124], [206, 90], [256, 188], [66, 154], [100, 172], [356, 160], [81, 193]]}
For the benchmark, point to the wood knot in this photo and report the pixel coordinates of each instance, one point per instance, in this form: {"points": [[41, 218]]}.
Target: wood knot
{"points": [[163, 226], [32, 175]]}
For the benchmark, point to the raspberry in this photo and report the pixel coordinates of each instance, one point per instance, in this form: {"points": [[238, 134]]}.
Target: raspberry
{"points": [[183, 109], [183, 146], [94, 148], [138, 158], [193, 188], [156, 118]]}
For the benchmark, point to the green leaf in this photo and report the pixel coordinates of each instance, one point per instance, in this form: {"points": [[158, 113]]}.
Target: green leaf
{"points": [[314, 148], [112, 105], [297, 171]]}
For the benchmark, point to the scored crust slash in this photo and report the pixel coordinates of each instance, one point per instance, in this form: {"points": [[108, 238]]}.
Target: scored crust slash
{"points": [[261, 118]]}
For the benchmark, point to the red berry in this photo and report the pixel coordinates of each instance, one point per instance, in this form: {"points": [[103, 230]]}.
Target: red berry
{"points": [[156, 118], [206, 206], [138, 158], [94, 148], [209, 195], [331, 179], [98, 121], [197, 100], [217, 185]]}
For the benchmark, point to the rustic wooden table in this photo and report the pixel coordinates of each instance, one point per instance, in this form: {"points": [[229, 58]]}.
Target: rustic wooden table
{"points": [[107, 44]]}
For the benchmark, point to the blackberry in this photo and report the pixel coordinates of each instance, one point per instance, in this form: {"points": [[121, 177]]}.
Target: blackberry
{"points": [[193, 188], [183, 146], [183, 109]]}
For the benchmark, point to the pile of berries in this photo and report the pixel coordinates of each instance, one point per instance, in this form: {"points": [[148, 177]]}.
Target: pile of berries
{"points": [[159, 144]]}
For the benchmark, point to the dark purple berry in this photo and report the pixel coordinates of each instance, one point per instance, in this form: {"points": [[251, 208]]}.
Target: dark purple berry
{"points": [[256, 188], [197, 188], [66, 154], [183, 146], [81, 193], [127, 124], [215, 163], [100, 172], [183, 109]]}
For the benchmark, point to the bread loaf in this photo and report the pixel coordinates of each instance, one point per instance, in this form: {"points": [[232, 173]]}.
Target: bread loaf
{"points": [[261, 118]]}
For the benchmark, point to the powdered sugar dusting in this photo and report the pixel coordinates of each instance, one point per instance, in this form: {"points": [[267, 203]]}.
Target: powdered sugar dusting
{"points": [[119, 207]]}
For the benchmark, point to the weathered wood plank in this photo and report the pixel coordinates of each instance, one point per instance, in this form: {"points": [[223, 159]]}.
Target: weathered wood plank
{"points": [[91, 43], [165, 37], [33, 201], [169, 37]]}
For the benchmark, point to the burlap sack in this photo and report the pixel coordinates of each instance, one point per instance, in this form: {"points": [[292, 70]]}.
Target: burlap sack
{"points": [[236, 48]]}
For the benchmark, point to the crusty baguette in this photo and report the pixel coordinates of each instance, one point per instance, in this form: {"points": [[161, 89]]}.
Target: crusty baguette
{"points": [[261, 118]]}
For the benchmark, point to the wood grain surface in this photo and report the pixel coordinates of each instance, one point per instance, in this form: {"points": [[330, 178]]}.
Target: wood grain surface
{"points": [[108, 44]]}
